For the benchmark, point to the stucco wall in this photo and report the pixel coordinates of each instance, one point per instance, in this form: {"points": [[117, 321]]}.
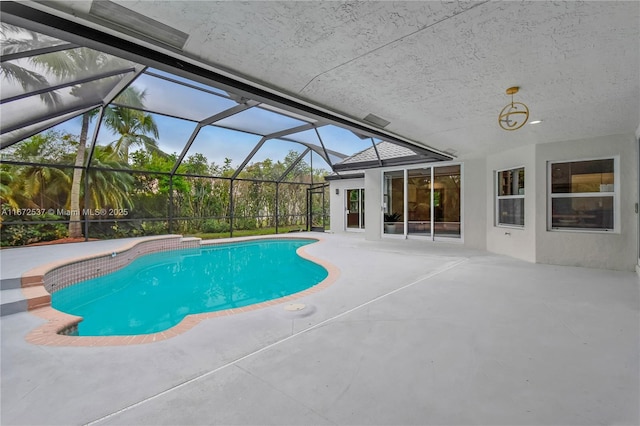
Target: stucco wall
{"points": [[474, 202], [373, 204], [513, 241], [608, 250], [638, 199], [337, 204]]}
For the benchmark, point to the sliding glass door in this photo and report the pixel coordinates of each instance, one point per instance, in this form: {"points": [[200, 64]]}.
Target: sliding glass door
{"points": [[394, 202], [446, 201], [419, 201], [423, 202]]}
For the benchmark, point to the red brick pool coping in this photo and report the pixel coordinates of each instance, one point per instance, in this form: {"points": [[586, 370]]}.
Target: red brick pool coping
{"points": [[48, 334]]}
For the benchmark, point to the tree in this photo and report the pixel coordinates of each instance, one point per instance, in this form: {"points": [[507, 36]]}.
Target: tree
{"points": [[106, 188], [7, 193], [36, 184], [133, 126]]}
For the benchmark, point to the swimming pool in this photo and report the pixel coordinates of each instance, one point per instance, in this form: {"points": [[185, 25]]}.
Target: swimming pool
{"points": [[156, 291]]}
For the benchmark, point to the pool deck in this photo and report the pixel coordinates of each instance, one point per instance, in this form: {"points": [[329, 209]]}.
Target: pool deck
{"points": [[411, 332]]}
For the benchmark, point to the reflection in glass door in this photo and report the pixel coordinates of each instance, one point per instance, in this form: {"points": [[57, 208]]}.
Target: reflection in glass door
{"points": [[419, 201], [394, 202], [446, 201], [355, 208]]}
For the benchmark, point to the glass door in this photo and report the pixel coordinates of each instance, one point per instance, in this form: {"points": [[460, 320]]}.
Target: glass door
{"points": [[394, 202], [423, 202], [419, 201], [446, 201], [355, 208]]}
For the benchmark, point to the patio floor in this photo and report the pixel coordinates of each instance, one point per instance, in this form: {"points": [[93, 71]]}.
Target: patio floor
{"points": [[410, 333]]}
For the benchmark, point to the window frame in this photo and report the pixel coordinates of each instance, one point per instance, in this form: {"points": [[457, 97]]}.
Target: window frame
{"points": [[498, 197], [615, 194]]}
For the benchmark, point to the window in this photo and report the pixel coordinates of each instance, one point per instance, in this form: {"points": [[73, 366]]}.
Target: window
{"points": [[510, 197], [583, 195]]}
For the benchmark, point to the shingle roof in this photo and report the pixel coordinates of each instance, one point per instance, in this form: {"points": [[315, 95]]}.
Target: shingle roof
{"points": [[386, 150]]}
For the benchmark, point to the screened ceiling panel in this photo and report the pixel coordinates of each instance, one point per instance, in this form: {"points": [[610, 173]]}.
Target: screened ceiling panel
{"points": [[217, 144], [312, 163], [301, 171], [24, 132], [23, 111], [288, 113], [278, 150], [169, 98], [44, 71], [310, 139], [14, 39], [335, 159], [318, 163], [259, 121], [51, 83], [186, 81], [173, 135], [308, 136], [56, 145], [341, 140]]}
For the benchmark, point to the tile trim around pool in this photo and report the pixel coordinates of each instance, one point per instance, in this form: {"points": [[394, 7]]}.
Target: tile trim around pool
{"points": [[57, 322]]}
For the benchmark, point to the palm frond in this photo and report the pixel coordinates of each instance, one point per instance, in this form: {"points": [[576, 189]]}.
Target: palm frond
{"points": [[29, 80]]}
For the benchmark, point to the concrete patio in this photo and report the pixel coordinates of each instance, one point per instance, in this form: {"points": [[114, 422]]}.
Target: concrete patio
{"points": [[410, 333]]}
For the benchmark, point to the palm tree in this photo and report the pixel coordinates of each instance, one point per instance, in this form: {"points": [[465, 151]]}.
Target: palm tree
{"points": [[43, 184], [133, 125], [7, 193], [109, 189]]}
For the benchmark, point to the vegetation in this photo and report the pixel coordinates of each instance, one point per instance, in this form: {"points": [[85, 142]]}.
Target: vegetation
{"points": [[36, 180]]}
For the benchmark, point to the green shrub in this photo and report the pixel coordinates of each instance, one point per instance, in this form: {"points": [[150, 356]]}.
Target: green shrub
{"points": [[215, 226], [247, 223], [29, 233]]}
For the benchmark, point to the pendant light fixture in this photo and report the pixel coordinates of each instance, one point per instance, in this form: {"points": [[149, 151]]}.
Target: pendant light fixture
{"points": [[515, 114]]}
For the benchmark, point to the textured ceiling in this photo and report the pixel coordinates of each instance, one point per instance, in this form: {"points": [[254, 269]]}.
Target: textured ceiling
{"points": [[436, 70]]}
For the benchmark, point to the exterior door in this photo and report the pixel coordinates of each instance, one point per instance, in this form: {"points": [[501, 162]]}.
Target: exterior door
{"points": [[317, 207], [355, 208]]}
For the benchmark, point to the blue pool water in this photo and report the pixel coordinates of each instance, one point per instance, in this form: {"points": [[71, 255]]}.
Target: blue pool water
{"points": [[156, 291]]}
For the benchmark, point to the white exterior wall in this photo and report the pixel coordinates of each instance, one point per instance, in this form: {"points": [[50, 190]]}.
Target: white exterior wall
{"points": [[513, 241], [337, 204], [373, 204], [638, 196], [609, 250], [474, 202]]}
